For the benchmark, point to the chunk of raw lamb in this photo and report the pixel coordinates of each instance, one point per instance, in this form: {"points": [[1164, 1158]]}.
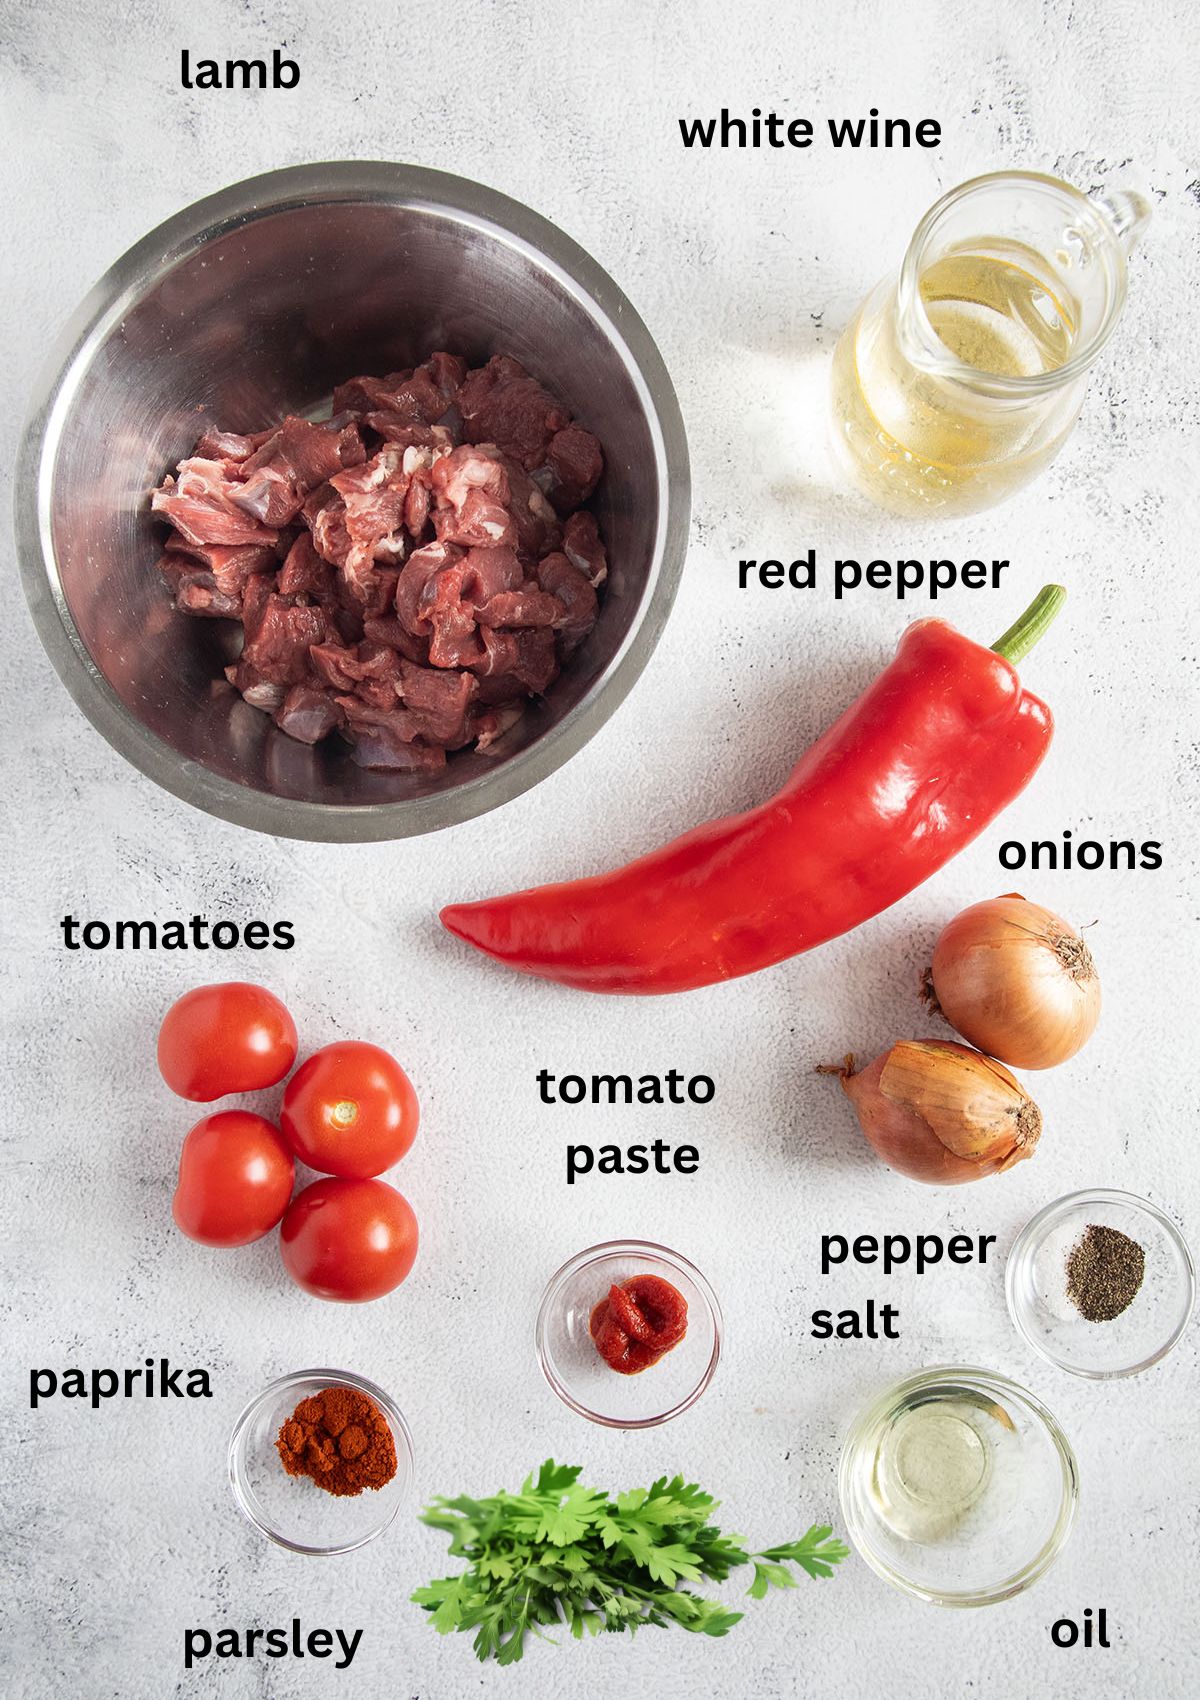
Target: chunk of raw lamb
{"points": [[375, 662], [194, 590], [305, 573], [366, 394], [308, 714], [260, 693], [489, 724], [501, 403], [575, 463], [374, 596], [415, 574], [367, 516], [528, 606], [419, 462], [374, 493], [447, 373], [472, 493], [375, 671], [416, 507], [199, 505], [324, 513], [295, 459], [500, 658], [332, 663], [280, 645], [256, 597], [207, 579], [386, 628], [385, 746], [537, 661], [538, 527], [229, 445], [388, 739], [372, 499], [583, 548], [362, 586], [486, 572], [394, 428], [454, 638], [439, 699], [419, 397], [573, 590]]}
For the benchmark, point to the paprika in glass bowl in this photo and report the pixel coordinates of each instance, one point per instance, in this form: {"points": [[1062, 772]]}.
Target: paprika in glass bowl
{"points": [[287, 1506], [576, 1367]]}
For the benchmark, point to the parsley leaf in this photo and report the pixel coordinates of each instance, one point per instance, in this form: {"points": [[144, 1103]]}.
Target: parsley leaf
{"points": [[558, 1555], [815, 1553]]}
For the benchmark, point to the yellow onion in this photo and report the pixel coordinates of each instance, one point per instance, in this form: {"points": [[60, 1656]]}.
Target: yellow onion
{"points": [[1016, 982], [941, 1113]]}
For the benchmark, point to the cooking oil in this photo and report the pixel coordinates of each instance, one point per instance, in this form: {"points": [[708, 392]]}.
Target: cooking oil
{"points": [[917, 413], [934, 1463]]}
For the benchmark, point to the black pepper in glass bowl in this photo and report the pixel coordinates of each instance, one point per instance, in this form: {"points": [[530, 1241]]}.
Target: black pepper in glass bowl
{"points": [[1101, 1283], [1105, 1271]]}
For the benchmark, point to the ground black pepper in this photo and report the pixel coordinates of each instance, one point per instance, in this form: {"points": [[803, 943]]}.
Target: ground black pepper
{"points": [[1104, 1271]]}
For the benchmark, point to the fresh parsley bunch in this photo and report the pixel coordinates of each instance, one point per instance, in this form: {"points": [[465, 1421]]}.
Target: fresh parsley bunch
{"points": [[559, 1553]]}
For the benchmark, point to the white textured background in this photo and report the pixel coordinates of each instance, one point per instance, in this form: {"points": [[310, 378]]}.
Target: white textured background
{"points": [[744, 265]]}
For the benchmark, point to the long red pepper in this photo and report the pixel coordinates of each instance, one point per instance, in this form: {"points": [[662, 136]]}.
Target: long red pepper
{"points": [[929, 754]]}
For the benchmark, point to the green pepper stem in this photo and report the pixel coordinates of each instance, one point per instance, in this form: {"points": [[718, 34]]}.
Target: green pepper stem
{"points": [[1021, 636]]}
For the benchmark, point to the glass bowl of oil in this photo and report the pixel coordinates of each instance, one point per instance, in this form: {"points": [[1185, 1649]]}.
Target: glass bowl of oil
{"points": [[958, 1487]]}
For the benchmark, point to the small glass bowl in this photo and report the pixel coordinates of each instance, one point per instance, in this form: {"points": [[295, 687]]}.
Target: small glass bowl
{"points": [[291, 1510], [1036, 1285], [575, 1369], [1011, 1527]]}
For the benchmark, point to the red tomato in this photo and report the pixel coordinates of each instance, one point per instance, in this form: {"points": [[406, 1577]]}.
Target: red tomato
{"points": [[235, 1179], [229, 1038], [348, 1240], [350, 1110]]}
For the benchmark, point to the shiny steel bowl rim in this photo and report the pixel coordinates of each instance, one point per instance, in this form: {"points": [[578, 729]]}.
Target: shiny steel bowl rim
{"points": [[177, 239]]}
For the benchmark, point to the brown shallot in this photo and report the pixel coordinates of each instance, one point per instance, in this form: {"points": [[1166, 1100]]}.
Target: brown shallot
{"points": [[941, 1113], [1016, 981]]}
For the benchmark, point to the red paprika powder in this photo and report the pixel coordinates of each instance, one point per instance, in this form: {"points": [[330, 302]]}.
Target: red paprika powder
{"points": [[341, 1439]]}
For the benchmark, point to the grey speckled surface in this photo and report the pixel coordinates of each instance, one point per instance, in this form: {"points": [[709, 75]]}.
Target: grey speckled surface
{"points": [[744, 266]]}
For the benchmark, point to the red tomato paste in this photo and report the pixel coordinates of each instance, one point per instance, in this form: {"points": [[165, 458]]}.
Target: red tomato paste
{"points": [[638, 1323]]}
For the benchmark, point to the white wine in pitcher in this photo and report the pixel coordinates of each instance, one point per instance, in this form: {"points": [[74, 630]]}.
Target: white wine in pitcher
{"points": [[994, 313], [955, 386]]}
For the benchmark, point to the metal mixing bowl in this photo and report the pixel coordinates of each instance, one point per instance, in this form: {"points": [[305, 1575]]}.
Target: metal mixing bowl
{"points": [[254, 303]]}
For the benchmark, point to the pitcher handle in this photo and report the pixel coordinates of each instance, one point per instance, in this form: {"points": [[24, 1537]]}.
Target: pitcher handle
{"points": [[1128, 212]]}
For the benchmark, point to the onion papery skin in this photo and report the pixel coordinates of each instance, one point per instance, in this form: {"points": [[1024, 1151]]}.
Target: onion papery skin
{"points": [[942, 1114], [1017, 982]]}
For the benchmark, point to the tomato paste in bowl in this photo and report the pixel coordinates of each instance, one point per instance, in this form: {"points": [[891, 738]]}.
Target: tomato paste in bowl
{"points": [[582, 1339], [639, 1321]]}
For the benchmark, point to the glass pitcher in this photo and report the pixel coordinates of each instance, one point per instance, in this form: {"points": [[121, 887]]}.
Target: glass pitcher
{"points": [[957, 384]]}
